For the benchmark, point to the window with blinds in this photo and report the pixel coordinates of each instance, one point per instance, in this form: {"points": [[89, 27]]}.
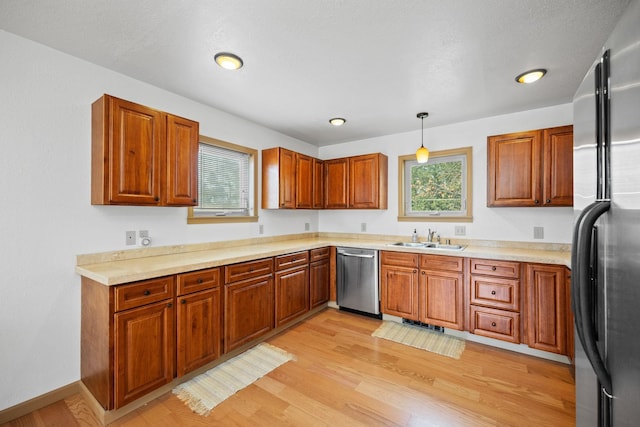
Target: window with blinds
{"points": [[224, 182]]}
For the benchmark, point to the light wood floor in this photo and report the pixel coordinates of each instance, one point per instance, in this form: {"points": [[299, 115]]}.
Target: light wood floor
{"points": [[345, 377]]}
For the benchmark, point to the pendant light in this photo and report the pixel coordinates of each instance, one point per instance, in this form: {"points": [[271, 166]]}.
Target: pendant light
{"points": [[422, 155]]}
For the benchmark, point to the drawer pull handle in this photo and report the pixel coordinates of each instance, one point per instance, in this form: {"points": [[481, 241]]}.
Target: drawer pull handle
{"points": [[200, 280], [493, 324], [493, 292], [147, 292], [184, 301], [170, 305], [494, 268], [250, 269]]}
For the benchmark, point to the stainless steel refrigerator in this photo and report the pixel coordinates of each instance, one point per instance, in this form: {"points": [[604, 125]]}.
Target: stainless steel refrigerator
{"points": [[606, 241]]}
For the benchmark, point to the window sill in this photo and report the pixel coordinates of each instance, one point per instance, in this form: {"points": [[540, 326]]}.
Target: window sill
{"points": [[435, 218], [220, 219]]}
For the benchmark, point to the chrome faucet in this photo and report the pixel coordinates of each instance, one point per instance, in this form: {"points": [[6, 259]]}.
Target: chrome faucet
{"points": [[430, 235]]}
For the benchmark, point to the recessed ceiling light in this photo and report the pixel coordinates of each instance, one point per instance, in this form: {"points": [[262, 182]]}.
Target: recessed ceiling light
{"points": [[531, 76], [228, 61], [337, 121]]}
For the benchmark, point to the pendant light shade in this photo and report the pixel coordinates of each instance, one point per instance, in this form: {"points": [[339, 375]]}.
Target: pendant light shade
{"points": [[422, 155]]}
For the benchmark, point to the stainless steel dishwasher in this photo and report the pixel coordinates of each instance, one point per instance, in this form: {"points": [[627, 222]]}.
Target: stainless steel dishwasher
{"points": [[357, 280]]}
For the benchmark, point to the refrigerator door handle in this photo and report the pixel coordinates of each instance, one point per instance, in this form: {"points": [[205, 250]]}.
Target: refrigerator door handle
{"points": [[580, 298]]}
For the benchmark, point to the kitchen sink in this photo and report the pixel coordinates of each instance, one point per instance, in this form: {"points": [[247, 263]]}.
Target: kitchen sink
{"points": [[427, 245]]}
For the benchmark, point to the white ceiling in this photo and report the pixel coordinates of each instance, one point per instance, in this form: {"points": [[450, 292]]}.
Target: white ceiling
{"points": [[375, 62]]}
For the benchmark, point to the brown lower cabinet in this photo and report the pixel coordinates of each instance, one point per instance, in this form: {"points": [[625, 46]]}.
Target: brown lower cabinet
{"points": [[291, 286], [426, 288], [249, 305], [319, 276], [199, 319], [127, 339]]}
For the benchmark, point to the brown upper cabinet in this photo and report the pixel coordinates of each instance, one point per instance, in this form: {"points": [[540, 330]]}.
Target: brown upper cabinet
{"points": [[142, 156], [532, 168], [292, 180]]}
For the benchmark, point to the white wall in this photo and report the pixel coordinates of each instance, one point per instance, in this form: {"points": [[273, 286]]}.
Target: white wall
{"points": [[46, 218], [513, 224]]}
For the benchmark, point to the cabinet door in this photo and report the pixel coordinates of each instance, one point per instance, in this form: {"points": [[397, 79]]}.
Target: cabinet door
{"points": [[248, 311], [558, 166], [399, 288], [292, 294], [441, 299], [136, 151], [336, 179], [546, 305], [181, 173], [287, 178], [366, 173], [318, 184], [304, 181], [318, 283], [514, 169], [144, 350], [199, 336]]}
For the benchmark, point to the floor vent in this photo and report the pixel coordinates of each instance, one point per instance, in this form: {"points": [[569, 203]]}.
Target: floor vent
{"points": [[424, 325]]}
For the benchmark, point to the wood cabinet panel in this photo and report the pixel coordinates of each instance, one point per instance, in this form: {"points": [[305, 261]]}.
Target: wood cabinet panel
{"points": [[278, 178], [319, 254], [181, 172], [249, 310], [318, 184], [533, 168], [399, 289], [441, 298], [492, 323], [490, 267], [304, 182], [336, 183], [558, 171], [291, 294], [199, 329], [144, 292], [247, 270], [546, 316], [399, 259], [297, 259], [441, 262], [198, 280], [144, 350], [319, 274], [495, 292], [368, 181], [141, 156]]}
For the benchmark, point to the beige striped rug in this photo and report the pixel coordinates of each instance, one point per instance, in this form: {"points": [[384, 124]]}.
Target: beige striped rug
{"points": [[206, 391], [422, 338]]}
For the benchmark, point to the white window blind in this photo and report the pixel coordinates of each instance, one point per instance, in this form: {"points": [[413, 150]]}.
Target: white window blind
{"points": [[224, 182]]}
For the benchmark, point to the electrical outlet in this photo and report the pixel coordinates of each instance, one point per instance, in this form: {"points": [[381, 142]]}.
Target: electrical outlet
{"points": [[363, 226], [143, 233], [460, 230], [307, 226], [260, 228], [538, 232], [130, 238]]}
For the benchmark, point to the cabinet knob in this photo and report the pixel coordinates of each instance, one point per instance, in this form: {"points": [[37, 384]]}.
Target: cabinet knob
{"points": [[170, 305], [548, 200], [536, 201], [493, 268], [493, 292], [157, 199], [195, 201], [250, 269], [184, 301], [147, 292], [200, 280], [493, 323]]}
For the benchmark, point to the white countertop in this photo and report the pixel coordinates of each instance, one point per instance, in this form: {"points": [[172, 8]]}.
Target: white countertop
{"points": [[113, 268]]}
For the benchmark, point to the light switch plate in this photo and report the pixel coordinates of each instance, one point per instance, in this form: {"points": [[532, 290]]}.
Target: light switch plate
{"points": [[460, 230], [538, 232]]}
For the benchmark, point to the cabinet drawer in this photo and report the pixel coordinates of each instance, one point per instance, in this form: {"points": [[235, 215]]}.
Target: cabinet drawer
{"points": [[198, 281], [440, 262], [399, 258], [247, 270], [141, 293], [495, 292], [490, 267], [284, 262], [492, 323], [320, 253]]}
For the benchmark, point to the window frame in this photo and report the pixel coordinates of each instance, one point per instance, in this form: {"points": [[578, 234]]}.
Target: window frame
{"points": [[466, 217], [253, 167]]}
